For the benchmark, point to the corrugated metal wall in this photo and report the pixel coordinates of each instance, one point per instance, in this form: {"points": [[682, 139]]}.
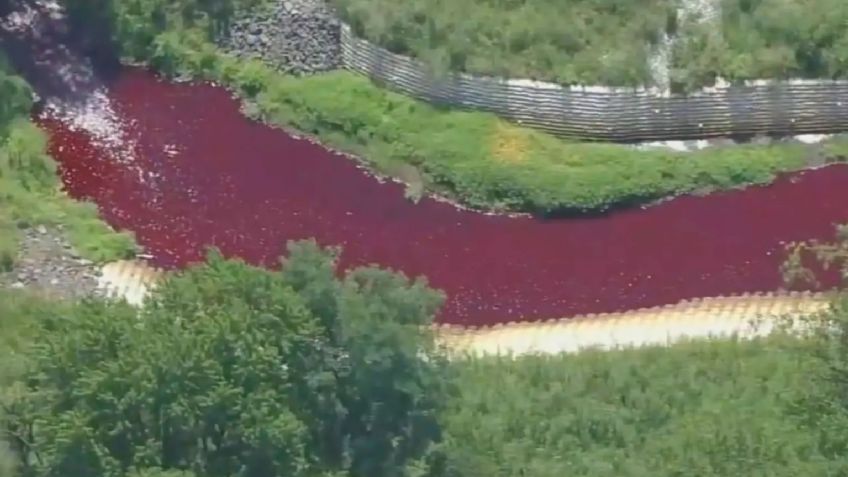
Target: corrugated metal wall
{"points": [[606, 114]]}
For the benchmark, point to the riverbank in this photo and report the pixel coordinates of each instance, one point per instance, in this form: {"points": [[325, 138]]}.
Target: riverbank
{"points": [[32, 201], [476, 159], [48, 241]]}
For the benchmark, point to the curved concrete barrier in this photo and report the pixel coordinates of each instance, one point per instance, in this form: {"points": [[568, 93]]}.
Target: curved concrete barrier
{"points": [[746, 316]]}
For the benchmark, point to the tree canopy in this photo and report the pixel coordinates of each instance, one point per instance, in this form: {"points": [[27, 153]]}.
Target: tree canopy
{"points": [[231, 370]]}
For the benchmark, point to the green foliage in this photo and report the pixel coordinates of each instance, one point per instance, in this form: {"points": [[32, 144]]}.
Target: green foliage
{"points": [[609, 42], [135, 24], [18, 313], [721, 408], [573, 42], [15, 96], [7, 461], [236, 371], [766, 39]]}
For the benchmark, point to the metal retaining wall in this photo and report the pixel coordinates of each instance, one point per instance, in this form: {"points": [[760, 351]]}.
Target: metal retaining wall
{"points": [[746, 316], [619, 114]]}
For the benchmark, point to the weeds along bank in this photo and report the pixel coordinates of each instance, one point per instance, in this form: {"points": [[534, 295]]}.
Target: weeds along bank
{"points": [[30, 192], [301, 400], [474, 158]]}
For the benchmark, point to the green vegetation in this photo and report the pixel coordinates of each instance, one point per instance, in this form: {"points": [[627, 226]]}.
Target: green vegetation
{"points": [[608, 42], [766, 39], [19, 315], [133, 25], [29, 187], [574, 42], [721, 408], [235, 371]]}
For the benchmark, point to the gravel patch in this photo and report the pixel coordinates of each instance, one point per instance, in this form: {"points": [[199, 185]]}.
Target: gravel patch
{"points": [[47, 263]]}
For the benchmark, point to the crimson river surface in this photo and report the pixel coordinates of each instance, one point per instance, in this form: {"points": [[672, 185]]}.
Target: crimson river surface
{"points": [[199, 174]]}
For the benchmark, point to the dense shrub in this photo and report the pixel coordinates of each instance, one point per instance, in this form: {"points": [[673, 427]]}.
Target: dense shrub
{"points": [[723, 408], [237, 371], [766, 39], [134, 24]]}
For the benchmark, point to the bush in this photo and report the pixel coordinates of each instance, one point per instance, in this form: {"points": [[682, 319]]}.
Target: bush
{"points": [[135, 24], [766, 39]]}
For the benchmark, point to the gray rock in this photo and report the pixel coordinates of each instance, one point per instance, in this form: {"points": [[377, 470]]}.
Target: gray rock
{"points": [[47, 263], [295, 36]]}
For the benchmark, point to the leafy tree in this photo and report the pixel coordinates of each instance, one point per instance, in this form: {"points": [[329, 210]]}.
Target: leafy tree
{"points": [[232, 370]]}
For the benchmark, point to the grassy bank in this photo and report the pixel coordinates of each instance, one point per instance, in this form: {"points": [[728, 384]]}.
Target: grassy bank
{"points": [[475, 158], [30, 191], [19, 315]]}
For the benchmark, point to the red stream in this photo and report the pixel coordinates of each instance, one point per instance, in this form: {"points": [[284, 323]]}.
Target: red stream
{"points": [[247, 189]]}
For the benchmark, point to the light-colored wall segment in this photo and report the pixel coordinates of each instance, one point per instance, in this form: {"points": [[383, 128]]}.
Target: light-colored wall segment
{"points": [[702, 318]]}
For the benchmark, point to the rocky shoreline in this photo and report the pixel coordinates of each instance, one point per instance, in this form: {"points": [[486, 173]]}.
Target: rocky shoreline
{"points": [[295, 36]]}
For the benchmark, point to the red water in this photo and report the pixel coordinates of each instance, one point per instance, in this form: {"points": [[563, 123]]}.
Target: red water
{"points": [[247, 189]]}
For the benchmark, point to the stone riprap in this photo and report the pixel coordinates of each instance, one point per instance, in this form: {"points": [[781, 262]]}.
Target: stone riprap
{"points": [[295, 36]]}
